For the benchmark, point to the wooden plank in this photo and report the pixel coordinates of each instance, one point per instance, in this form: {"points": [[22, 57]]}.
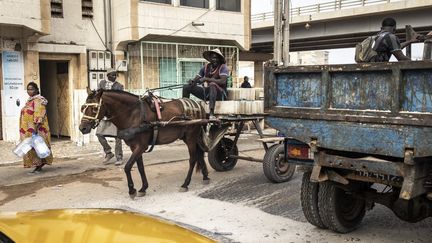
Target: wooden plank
{"points": [[270, 139]]}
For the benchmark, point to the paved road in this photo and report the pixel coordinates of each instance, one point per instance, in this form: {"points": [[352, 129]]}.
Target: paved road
{"points": [[238, 206]]}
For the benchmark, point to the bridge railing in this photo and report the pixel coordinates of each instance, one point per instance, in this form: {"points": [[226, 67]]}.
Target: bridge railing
{"points": [[321, 7]]}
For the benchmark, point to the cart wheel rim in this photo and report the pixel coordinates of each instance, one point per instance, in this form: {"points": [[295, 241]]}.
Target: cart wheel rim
{"points": [[282, 167]]}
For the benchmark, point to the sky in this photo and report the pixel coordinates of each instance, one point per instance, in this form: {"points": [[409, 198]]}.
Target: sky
{"points": [[336, 56]]}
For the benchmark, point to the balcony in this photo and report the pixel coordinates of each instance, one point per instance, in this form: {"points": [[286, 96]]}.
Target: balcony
{"points": [[166, 22], [32, 16]]}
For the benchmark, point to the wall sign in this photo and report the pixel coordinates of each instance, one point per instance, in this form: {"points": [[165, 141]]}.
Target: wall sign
{"points": [[13, 82]]}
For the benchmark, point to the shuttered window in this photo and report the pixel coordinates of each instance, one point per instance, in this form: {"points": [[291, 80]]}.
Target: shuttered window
{"points": [[195, 3], [87, 8], [57, 8], [228, 5], [159, 1]]}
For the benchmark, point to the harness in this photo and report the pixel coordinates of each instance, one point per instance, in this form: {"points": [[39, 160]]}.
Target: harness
{"points": [[190, 108], [95, 117]]}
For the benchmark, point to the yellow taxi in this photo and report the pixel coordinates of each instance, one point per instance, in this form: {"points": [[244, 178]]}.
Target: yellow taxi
{"points": [[90, 225]]}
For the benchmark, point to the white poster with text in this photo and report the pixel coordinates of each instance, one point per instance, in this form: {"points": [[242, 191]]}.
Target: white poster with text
{"points": [[13, 82]]}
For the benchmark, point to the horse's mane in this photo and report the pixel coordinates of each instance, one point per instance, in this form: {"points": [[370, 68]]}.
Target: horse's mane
{"points": [[121, 92]]}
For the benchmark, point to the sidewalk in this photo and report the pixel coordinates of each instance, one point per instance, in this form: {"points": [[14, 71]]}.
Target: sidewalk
{"points": [[61, 149], [66, 149]]}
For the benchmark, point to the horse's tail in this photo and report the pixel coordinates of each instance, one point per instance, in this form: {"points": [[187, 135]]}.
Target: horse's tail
{"points": [[209, 139], [203, 139]]}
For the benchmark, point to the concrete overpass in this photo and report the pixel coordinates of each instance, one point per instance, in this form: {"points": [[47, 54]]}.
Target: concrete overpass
{"points": [[341, 23]]}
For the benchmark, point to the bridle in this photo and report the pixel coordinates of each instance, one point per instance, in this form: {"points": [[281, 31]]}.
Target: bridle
{"points": [[94, 117]]}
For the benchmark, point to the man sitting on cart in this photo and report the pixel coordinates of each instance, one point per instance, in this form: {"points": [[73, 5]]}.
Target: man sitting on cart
{"points": [[211, 81]]}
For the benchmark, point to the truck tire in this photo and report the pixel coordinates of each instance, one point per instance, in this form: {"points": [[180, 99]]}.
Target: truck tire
{"points": [[309, 201], [275, 169], [338, 209], [218, 157]]}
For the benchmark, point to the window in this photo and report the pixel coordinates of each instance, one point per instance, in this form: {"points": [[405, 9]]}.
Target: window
{"points": [[87, 8], [195, 3], [57, 8], [228, 5], [159, 1]]}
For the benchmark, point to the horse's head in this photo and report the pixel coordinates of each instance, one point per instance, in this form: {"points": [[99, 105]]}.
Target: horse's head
{"points": [[93, 111]]}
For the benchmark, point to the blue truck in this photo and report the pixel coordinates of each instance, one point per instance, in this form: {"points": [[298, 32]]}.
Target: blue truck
{"points": [[367, 130]]}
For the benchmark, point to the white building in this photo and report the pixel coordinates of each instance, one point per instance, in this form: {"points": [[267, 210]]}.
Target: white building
{"points": [[66, 45]]}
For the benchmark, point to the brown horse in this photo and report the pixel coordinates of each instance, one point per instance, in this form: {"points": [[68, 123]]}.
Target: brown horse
{"points": [[134, 115]]}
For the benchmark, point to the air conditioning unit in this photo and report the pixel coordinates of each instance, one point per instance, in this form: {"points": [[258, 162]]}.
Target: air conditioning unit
{"points": [[121, 65]]}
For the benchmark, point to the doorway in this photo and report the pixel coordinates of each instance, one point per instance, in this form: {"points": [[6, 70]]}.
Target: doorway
{"points": [[54, 86]]}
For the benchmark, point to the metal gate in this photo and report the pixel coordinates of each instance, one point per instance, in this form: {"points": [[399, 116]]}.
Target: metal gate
{"points": [[163, 64]]}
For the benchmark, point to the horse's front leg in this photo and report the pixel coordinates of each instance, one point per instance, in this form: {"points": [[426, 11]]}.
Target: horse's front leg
{"points": [[128, 168], [141, 170]]}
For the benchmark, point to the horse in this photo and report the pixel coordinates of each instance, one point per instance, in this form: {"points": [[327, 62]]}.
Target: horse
{"points": [[135, 118]]}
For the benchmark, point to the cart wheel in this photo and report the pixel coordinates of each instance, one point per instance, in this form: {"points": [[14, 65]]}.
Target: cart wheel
{"points": [[309, 201], [218, 157], [275, 169], [338, 209]]}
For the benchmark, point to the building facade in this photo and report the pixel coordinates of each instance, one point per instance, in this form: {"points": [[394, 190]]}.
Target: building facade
{"points": [[67, 45]]}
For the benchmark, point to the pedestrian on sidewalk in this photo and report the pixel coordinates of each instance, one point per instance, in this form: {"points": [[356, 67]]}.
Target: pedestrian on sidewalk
{"points": [[34, 120], [245, 83], [107, 128]]}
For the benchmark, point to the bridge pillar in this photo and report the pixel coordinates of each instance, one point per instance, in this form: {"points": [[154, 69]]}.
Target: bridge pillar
{"points": [[258, 74]]}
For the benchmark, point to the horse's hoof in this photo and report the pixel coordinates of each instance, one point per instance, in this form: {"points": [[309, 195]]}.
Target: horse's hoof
{"points": [[141, 194], [206, 182], [183, 189], [133, 195]]}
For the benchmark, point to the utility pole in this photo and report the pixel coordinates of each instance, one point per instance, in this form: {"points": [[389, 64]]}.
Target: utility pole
{"points": [[286, 32], [277, 38], [281, 32]]}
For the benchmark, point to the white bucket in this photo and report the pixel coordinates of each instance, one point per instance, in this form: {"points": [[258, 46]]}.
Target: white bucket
{"points": [[40, 146], [22, 148]]}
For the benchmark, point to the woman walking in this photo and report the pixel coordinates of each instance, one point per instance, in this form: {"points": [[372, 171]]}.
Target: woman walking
{"points": [[34, 120]]}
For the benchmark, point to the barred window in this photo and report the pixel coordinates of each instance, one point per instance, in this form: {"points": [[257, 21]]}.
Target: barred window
{"points": [[87, 8], [228, 5], [195, 3], [159, 1], [57, 8]]}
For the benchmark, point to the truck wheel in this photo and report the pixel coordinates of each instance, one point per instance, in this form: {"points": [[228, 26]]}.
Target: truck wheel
{"points": [[218, 157], [338, 209], [275, 168], [309, 201]]}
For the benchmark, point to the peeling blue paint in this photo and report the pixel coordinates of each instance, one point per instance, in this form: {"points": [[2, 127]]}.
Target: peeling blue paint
{"points": [[299, 90], [418, 91], [360, 90], [358, 137], [381, 108]]}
